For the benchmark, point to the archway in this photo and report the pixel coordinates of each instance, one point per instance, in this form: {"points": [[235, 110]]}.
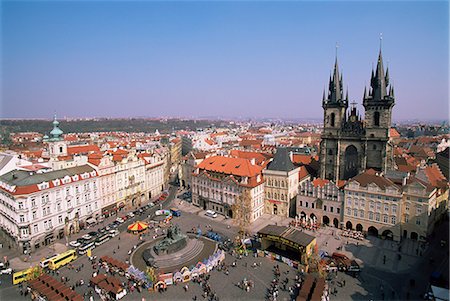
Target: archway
{"points": [[302, 214], [326, 220], [351, 162], [336, 223], [414, 236], [405, 234], [313, 217], [275, 209], [388, 234], [349, 225], [372, 231], [359, 227]]}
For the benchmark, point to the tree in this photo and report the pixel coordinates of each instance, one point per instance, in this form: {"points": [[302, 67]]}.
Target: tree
{"points": [[242, 210]]}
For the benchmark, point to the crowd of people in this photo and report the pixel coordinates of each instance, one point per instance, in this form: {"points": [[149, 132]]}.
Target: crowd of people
{"points": [[353, 234]]}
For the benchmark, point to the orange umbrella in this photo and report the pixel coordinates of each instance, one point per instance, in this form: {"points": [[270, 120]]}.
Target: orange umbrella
{"points": [[138, 226]]}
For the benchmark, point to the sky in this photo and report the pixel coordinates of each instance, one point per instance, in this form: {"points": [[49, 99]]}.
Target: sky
{"points": [[217, 58]]}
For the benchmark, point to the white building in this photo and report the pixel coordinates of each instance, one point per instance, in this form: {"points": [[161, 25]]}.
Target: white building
{"points": [[36, 208]]}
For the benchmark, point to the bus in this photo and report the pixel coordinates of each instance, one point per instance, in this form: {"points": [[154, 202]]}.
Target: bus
{"points": [[102, 239], [62, 259], [26, 275], [175, 211], [83, 248], [44, 262]]}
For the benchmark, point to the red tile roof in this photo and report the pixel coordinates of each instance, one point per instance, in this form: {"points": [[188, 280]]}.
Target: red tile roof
{"points": [[231, 166], [82, 149]]}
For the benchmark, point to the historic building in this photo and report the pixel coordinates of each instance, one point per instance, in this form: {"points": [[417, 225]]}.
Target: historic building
{"points": [[281, 177], [219, 183], [349, 144], [37, 208], [321, 199]]}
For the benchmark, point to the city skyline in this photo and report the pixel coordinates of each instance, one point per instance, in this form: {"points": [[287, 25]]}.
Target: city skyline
{"points": [[228, 59]]}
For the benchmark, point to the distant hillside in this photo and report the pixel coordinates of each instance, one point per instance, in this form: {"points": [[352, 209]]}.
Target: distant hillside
{"points": [[105, 125]]}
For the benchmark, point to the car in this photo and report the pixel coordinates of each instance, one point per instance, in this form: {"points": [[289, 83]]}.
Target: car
{"points": [[151, 204], [120, 220], [113, 233], [130, 214], [86, 237], [93, 234], [75, 244], [101, 230], [81, 240], [211, 213], [6, 271], [124, 217], [108, 227]]}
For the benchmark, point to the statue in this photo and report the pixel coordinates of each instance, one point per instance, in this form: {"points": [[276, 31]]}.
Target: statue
{"points": [[174, 241]]}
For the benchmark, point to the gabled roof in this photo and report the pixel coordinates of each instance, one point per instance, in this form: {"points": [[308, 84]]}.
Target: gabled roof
{"points": [[281, 161], [371, 177]]}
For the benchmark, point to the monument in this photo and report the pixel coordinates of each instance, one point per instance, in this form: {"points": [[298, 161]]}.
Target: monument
{"points": [[173, 242]]}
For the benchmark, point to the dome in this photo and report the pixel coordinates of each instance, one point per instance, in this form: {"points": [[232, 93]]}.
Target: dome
{"points": [[56, 132]]}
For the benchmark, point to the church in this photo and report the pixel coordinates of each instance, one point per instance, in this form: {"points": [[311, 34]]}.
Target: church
{"points": [[350, 145]]}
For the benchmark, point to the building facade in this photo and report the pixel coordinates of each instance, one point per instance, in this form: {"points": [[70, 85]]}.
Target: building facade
{"points": [[350, 145], [373, 205], [321, 199], [219, 183], [37, 208], [281, 184]]}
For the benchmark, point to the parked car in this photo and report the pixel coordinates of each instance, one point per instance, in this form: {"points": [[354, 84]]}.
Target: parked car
{"points": [[6, 271], [93, 234], [130, 214], [113, 233], [75, 244], [211, 213], [86, 236], [101, 230], [120, 220], [151, 204]]}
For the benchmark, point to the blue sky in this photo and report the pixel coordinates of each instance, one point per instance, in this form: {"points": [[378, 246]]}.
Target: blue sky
{"points": [[191, 59]]}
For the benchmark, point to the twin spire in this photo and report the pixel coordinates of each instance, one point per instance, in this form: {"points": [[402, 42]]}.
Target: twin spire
{"points": [[379, 90]]}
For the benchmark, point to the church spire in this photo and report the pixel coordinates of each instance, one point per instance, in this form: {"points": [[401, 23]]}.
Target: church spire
{"points": [[379, 80], [335, 87]]}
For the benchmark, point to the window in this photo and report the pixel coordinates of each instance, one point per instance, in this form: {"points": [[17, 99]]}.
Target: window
{"points": [[385, 219], [406, 218], [58, 206], [22, 218], [330, 152], [349, 211], [386, 208], [371, 215], [332, 117], [394, 209], [376, 118], [33, 202], [34, 214], [393, 220], [36, 228], [372, 206], [418, 222], [324, 208], [331, 209], [362, 203], [355, 213], [301, 203], [418, 209], [69, 204], [349, 203], [378, 207], [306, 204], [60, 219], [361, 213], [20, 205], [312, 205], [377, 217], [338, 210], [407, 208]]}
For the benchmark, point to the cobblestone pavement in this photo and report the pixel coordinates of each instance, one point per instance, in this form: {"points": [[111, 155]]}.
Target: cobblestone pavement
{"points": [[377, 280]]}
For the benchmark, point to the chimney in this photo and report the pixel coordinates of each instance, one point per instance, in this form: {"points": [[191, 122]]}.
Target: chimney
{"points": [[253, 161]]}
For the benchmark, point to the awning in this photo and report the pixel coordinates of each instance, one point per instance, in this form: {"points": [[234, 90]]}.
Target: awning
{"points": [[138, 226]]}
